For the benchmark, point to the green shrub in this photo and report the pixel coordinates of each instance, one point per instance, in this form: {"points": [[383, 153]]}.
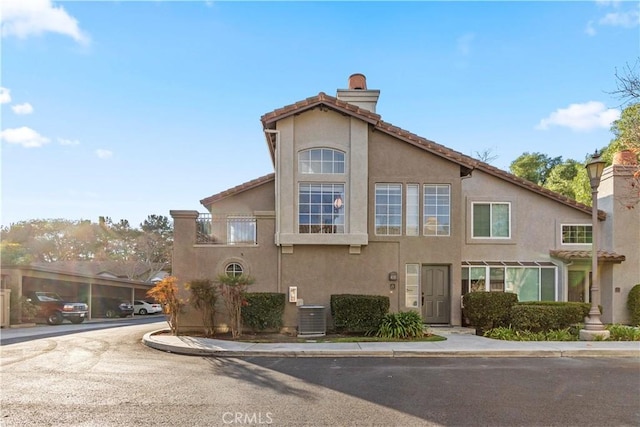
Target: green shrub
{"points": [[633, 305], [204, 294], [487, 310], [547, 315], [402, 325], [22, 309], [263, 310], [512, 334], [358, 313], [623, 333]]}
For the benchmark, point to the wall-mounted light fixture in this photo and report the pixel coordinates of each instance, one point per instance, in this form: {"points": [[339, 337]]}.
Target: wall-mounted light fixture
{"points": [[393, 276]]}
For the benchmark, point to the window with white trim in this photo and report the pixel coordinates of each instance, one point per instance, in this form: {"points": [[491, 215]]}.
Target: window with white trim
{"points": [[412, 286], [577, 234], [321, 208], [388, 209], [529, 281], [412, 226], [491, 220], [241, 229], [233, 269], [321, 160], [437, 210]]}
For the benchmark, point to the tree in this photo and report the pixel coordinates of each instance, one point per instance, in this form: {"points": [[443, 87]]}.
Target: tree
{"points": [[233, 290], [486, 155], [166, 293], [563, 178], [204, 295], [628, 83], [534, 167]]}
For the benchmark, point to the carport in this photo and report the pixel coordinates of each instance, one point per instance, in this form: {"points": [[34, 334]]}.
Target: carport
{"points": [[71, 286]]}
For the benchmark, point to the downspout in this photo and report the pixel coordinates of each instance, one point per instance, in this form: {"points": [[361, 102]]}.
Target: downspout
{"points": [[277, 203]]}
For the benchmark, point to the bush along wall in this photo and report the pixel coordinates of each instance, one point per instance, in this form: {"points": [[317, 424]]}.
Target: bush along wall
{"points": [[633, 305], [547, 316], [487, 310], [263, 311], [358, 313]]}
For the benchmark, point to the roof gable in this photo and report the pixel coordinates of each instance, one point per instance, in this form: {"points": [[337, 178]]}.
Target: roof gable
{"points": [[468, 163], [237, 189]]}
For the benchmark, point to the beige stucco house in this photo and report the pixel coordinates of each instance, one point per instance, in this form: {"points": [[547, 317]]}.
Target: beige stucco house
{"points": [[358, 205]]}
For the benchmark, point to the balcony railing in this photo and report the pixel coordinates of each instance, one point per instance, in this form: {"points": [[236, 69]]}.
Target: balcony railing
{"points": [[228, 229]]}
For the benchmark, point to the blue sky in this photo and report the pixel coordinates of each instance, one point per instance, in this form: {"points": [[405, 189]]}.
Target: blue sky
{"points": [[127, 109]]}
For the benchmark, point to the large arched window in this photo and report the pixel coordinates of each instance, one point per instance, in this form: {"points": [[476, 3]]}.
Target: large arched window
{"points": [[321, 160], [234, 269]]}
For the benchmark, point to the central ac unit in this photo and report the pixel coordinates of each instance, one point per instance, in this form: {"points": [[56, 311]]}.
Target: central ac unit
{"points": [[311, 321]]}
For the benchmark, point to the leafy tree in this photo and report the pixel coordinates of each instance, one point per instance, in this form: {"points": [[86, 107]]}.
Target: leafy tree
{"points": [[564, 178], [233, 290], [534, 167], [204, 295], [166, 292]]}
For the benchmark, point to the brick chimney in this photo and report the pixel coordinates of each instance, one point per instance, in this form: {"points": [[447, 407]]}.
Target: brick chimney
{"points": [[358, 94]]}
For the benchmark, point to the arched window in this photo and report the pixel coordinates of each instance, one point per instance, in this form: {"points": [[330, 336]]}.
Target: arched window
{"points": [[233, 270], [321, 160]]}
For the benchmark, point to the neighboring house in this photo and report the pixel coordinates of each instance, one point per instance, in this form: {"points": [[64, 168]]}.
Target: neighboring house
{"points": [[357, 205]]}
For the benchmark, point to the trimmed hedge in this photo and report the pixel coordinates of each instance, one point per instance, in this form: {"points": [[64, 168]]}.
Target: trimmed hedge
{"points": [[633, 305], [488, 310], [264, 310], [358, 313], [545, 316]]}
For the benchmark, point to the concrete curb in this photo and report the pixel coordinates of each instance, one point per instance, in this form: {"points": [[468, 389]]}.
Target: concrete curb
{"points": [[204, 347]]}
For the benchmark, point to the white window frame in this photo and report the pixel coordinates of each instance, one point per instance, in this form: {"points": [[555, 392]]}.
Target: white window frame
{"points": [[323, 210], [238, 226], [491, 204], [412, 216], [507, 286], [586, 226], [412, 286], [382, 210], [440, 228], [234, 269], [321, 161]]}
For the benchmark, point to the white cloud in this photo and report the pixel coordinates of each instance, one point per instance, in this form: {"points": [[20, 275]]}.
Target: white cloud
{"points": [[25, 108], [5, 95], [590, 30], [24, 136], [24, 18], [63, 141], [104, 154], [627, 19], [581, 117]]}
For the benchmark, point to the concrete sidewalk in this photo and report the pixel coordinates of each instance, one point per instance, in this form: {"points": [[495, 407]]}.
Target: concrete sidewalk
{"points": [[456, 345]]}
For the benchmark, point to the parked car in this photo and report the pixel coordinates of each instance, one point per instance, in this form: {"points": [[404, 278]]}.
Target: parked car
{"points": [[144, 307], [54, 309], [112, 307]]}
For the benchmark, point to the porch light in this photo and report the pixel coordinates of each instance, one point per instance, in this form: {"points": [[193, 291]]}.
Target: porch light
{"points": [[593, 327]]}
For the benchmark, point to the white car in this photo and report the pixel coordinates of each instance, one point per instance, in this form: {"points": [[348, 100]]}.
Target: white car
{"points": [[144, 307]]}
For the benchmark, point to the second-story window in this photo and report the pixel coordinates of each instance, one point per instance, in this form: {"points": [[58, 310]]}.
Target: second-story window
{"points": [[491, 220], [388, 209], [321, 208], [577, 234], [241, 230], [437, 210], [321, 160]]}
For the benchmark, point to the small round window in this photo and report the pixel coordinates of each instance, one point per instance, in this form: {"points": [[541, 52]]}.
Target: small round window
{"points": [[233, 270]]}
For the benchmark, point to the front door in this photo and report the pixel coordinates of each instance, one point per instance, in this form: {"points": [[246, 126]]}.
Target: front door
{"points": [[435, 294], [577, 286]]}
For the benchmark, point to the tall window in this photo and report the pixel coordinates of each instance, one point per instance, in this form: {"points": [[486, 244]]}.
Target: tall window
{"points": [[241, 229], [437, 210], [321, 208], [413, 210], [576, 234], [321, 160], [412, 284], [388, 209], [491, 220], [233, 270]]}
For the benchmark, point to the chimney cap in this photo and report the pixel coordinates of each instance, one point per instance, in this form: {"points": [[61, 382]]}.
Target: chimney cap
{"points": [[357, 81]]}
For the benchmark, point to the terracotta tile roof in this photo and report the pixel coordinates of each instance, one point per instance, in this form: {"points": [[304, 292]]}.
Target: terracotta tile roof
{"points": [[603, 256], [324, 100], [237, 189]]}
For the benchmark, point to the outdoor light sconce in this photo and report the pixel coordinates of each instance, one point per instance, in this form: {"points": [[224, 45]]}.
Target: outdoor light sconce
{"points": [[393, 276]]}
